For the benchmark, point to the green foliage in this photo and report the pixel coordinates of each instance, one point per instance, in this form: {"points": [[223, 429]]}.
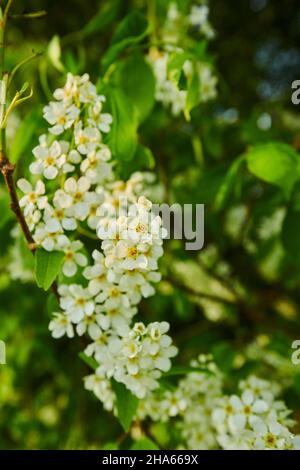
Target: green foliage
{"points": [[5, 211], [144, 444], [126, 404], [47, 266], [230, 181], [24, 135], [103, 18], [88, 360], [238, 298], [275, 163], [131, 30], [135, 78], [290, 234], [54, 53], [123, 136]]}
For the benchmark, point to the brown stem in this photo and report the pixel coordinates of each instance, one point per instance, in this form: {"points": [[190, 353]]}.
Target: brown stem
{"points": [[7, 169]]}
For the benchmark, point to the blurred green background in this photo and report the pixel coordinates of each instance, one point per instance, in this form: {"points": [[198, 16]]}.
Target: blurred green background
{"points": [[257, 55]]}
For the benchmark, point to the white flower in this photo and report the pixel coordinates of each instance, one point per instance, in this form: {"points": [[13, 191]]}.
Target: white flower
{"points": [[129, 255], [49, 159], [239, 441], [244, 409], [71, 90], [198, 15], [208, 83], [90, 325], [96, 274], [86, 138], [57, 213], [61, 325], [96, 118], [135, 281], [100, 341], [117, 318], [32, 219], [60, 116], [238, 411], [271, 435], [92, 218], [112, 297], [174, 403], [34, 198], [76, 196], [50, 235], [166, 91], [76, 301], [94, 165], [101, 387], [261, 388], [159, 346], [72, 258]]}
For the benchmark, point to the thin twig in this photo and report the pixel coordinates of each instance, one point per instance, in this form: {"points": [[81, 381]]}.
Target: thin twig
{"points": [[6, 167]]}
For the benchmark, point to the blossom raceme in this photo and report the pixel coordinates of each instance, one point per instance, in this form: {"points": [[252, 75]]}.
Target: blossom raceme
{"points": [[77, 195], [167, 90], [252, 419]]}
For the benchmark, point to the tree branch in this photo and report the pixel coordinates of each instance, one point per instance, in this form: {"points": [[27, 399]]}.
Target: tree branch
{"points": [[7, 169]]}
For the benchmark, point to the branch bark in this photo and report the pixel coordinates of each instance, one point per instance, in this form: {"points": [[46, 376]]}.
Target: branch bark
{"points": [[7, 169]]}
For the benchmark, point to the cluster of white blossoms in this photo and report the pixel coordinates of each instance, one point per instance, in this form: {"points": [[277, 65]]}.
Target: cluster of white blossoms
{"points": [[135, 358], [167, 91], [76, 193], [253, 419]]}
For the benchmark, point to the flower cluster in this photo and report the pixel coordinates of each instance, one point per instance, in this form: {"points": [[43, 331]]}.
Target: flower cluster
{"points": [[78, 193], [167, 91], [253, 419], [135, 358]]}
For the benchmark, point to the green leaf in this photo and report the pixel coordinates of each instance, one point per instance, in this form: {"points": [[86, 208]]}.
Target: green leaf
{"points": [[52, 304], [142, 160], [24, 135], [224, 355], [5, 211], [291, 233], [132, 29], [110, 446], [193, 94], [123, 136], [90, 361], [47, 266], [144, 444], [104, 17], [54, 53], [175, 65], [127, 404], [276, 163], [228, 183], [136, 79]]}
